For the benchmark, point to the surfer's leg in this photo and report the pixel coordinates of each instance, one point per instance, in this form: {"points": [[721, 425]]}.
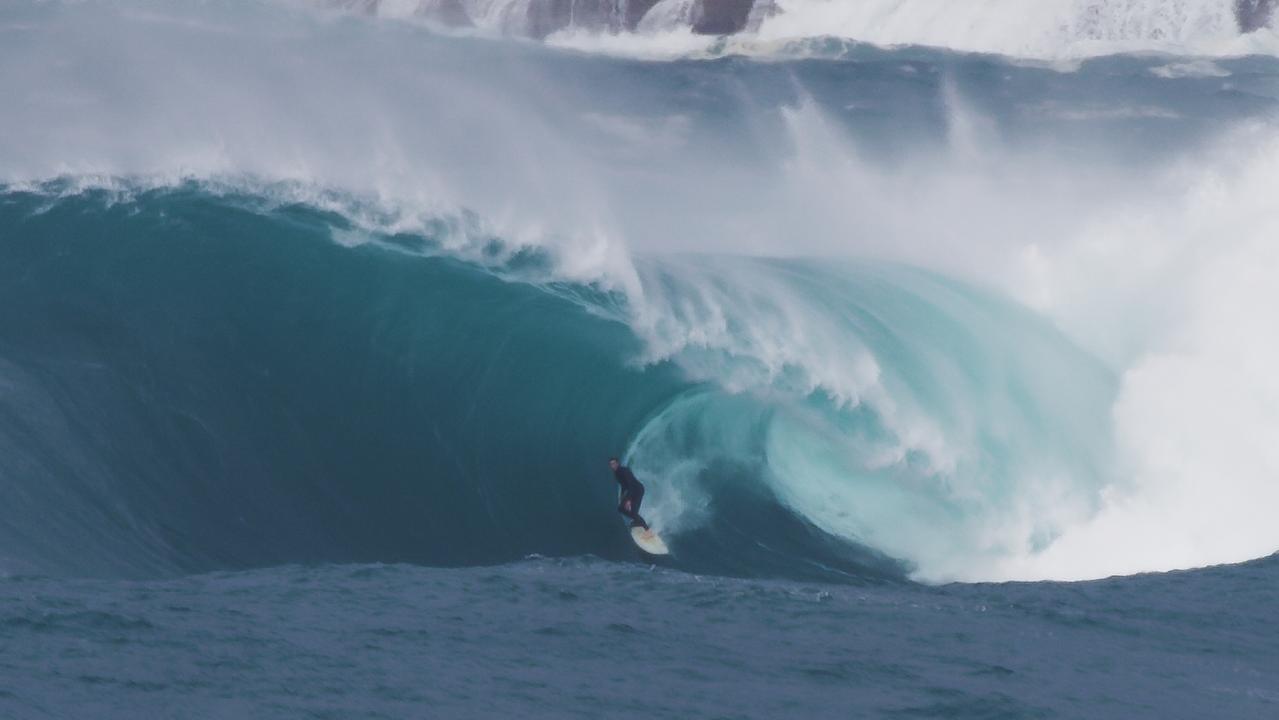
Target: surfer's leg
{"points": [[636, 499], [628, 507]]}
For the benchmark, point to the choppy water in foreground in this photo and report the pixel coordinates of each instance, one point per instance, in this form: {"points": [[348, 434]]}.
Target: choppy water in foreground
{"points": [[587, 638]]}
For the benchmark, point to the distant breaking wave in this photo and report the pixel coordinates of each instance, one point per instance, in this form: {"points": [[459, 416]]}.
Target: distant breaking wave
{"points": [[1049, 29]]}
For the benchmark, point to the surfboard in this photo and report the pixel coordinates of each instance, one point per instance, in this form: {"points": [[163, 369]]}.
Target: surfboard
{"points": [[649, 542]]}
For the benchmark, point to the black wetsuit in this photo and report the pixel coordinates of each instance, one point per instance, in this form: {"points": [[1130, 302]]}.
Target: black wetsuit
{"points": [[632, 492]]}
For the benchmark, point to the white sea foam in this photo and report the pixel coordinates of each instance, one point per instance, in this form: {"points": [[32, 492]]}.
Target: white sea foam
{"points": [[1192, 68], [1046, 29]]}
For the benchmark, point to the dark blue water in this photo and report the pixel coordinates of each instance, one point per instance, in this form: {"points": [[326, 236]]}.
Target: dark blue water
{"points": [[590, 638]]}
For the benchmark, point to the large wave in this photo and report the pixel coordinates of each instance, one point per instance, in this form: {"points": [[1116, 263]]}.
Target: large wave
{"points": [[316, 287], [195, 379], [193, 382]]}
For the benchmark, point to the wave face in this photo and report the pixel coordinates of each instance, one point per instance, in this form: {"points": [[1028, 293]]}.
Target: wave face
{"points": [[195, 382], [1050, 29], [288, 285]]}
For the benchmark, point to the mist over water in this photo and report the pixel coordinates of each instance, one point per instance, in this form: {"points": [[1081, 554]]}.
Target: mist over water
{"points": [[988, 318]]}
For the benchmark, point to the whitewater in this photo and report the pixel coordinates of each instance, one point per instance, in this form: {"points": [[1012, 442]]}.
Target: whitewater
{"points": [[1048, 30], [936, 313]]}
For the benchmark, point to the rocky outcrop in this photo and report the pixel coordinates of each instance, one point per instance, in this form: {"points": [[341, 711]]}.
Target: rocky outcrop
{"points": [[547, 16], [1254, 14], [450, 13], [635, 11], [540, 18], [722, 17], [761, 11]]}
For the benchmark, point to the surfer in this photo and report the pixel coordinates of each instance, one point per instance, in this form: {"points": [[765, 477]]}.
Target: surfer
{"points": [[632, 493]]}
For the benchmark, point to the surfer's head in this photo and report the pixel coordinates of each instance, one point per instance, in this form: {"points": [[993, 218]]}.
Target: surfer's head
{"points": [[614, 463]]}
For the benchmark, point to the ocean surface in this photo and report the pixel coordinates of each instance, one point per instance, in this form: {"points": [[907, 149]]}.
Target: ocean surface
{"points": [[941, 335], [585, 637]]}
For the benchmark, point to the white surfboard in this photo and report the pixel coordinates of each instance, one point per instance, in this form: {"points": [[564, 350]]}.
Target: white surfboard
{"points": [[649, 542]]}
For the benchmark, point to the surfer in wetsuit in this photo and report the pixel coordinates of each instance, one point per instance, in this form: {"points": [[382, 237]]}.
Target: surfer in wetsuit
{"points": [[632, 493]]}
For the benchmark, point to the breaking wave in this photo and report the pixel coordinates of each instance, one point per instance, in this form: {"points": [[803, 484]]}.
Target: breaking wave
{"points": [[288, 286]]}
